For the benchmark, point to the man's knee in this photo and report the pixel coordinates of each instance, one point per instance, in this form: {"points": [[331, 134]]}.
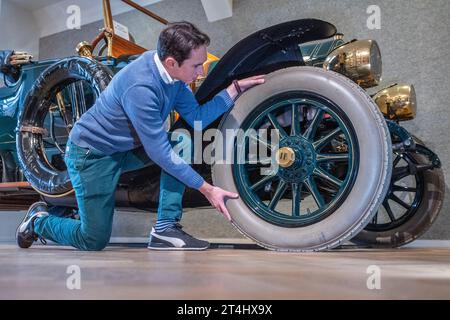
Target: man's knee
{"points": [[95, 242]]}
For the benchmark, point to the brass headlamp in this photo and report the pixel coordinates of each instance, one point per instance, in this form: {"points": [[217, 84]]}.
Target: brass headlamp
{"points": [[359, 60], [397, 102]]}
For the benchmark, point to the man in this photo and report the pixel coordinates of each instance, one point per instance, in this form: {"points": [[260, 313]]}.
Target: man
{"points": [[105, 141]]}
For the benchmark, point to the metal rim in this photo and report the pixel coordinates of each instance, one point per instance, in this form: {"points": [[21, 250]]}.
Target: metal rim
{"points": [[415, 191], [313, 130]]}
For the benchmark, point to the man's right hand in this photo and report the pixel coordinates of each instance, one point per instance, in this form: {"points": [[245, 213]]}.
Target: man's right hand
{"points": [[216, 196]]}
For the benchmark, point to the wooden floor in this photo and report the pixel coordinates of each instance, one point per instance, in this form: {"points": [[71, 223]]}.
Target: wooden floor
{"points": [[127, 272]]}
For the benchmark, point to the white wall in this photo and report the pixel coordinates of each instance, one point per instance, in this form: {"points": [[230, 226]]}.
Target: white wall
{"points": [[18, 29], [52, 19]]}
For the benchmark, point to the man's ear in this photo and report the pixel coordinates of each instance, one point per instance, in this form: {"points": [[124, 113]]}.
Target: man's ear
{"points": [[171, 62]]}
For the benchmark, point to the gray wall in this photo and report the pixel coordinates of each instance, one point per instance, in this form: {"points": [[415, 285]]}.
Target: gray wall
{"points": [[18, 29], [414, 39]]}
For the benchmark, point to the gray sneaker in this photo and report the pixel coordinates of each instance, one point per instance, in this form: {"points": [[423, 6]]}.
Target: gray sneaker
{"points": [[174, 238], [25, 234]]}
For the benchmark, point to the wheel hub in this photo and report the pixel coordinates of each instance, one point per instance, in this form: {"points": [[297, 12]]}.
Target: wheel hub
{"points": [[285, 157], [296, 158]]}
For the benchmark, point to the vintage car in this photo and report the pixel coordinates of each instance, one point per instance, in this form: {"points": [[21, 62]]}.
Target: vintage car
{"points": [[346, 168]]}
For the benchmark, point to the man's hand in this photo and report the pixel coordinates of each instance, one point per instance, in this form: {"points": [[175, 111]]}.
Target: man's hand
{"points": [[216, 196], [245, 84]]}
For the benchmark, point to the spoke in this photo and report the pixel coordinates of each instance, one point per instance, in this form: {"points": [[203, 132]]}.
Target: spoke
{"points": [[73, 101], [328, 177], [388, 209], [312, 186], [393, 197], [396, 161], [295, 125], [260, 141], [261, 161], [263, 182], [400, 173], [408, 159], [276, 125], [296, 198], [281, 189], [405, 189], [52, 133], [337, 157], [414, 168], [62, 110], [80, 96], [375, 218], [253, 168], [323, 141], [311, 131]]}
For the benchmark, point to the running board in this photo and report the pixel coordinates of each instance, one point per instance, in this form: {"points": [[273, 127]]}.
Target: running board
{"points": [[14, 186], [17, 196]]}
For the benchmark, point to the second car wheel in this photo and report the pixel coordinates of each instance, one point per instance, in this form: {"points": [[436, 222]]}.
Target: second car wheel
{"points": [[61, 94], [413, 203]]}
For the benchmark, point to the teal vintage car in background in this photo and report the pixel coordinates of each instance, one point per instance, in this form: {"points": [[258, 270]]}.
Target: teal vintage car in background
{"points": [[348, 169], [12, 96], [13, 93]]}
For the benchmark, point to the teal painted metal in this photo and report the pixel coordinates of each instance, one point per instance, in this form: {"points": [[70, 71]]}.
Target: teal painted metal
{"points": [[12, 99], [11, 102], [315, 53], [312, 169]]}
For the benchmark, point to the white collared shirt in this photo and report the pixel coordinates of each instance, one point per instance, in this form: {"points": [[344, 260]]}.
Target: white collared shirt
{"points": [[162, 71]]}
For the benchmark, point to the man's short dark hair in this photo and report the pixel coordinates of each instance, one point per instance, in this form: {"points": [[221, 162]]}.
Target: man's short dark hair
{"points": [[178, 39]]}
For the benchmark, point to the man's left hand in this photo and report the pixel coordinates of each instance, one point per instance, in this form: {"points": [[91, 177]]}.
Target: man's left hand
{"points": [[244, 84]]}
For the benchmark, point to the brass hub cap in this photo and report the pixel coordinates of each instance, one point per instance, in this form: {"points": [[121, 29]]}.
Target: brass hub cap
{"points": [[285, 157]]}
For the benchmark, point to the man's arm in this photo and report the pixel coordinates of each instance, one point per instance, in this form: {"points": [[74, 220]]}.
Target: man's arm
{"points": [[141, 106], [188, 107], [146, 119], [190, 110]]}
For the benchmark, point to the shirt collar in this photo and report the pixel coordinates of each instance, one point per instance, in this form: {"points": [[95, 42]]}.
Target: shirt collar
{"points": [[162, 71]]}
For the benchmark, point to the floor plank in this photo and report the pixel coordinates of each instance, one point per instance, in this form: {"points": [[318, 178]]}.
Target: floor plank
{"points": [[133, 272]]}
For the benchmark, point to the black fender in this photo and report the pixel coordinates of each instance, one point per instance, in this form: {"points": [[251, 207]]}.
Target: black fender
{"points": [[264, 51]]}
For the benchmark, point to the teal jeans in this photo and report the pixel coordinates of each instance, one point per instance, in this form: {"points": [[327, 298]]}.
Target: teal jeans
{"points": [[94, 177]]}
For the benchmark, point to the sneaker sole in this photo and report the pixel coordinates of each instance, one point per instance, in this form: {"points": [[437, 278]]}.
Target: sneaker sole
{"points": [[163, 243], [33, 206], [176, 249]]}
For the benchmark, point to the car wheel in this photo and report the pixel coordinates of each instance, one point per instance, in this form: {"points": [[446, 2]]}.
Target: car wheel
{"points": [[412, 204], [340, 163], [61, 94]]}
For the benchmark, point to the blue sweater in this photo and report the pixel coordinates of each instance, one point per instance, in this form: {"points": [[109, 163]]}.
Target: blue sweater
{"points": [[132, 110]]}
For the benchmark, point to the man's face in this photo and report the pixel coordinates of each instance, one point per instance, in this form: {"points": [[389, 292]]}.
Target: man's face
{"points": [[190, 69]]}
